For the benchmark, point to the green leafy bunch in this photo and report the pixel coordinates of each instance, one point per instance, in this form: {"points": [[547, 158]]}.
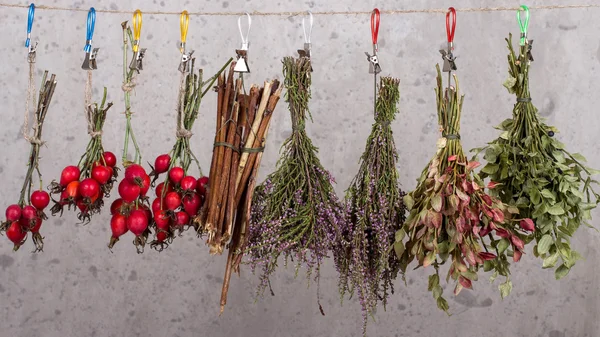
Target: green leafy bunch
{"points": [[533, 172]]}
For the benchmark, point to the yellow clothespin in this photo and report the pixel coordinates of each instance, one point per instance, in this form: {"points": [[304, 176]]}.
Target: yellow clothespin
{"points": [[138, 53], [184, 23]]}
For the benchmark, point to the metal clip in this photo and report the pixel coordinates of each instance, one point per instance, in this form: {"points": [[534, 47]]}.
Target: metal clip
{"points": [[184, 65], [138, 54], [89, 62], [306, 52], [241, 65], [374, 67], [447, 56], [31, 47]]}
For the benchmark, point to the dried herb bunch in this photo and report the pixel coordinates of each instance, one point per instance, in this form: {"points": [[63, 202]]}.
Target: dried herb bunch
{"points": [[295, 211], [363, 256], [452, 218], [535, 173]]}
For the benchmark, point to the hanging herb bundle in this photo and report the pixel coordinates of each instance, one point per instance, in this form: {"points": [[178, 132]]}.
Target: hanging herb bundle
{"points": [[364, 257], [27, 215], [180, 195], [85, 185], [299, 209], [533, 172], [452, 218], [131, 212]]}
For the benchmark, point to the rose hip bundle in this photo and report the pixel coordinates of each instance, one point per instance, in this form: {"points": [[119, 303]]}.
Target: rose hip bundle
{"points": [[85, 185], [452, 218], [299, 213], [27, 215], [180, 196], [363, 255], [131, 211], [536, 174]]}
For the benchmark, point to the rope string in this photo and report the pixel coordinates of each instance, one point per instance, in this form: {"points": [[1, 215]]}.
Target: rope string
{"points": [[33, 139], [300, 13]]}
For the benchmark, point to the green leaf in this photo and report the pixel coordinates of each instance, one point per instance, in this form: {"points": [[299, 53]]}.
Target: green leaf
{"points": [[437, 291], [509, 84], [558, 156], [400, 234], [505, 289], [470, 275], [487, 266], [550, 261], [504, 135], [561, 272], [548, 195], [579, 157], [399, 248], [513, 210], [502, 245], [544, 244], [556, 209], [409, 202], [436, 203], [490, 169], [442, 304], [434, 280]]}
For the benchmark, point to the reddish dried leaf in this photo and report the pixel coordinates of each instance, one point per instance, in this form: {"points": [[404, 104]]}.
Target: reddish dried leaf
{"points": [[517, 256], [461, 224], [517, 242], [472, 165], [452, 158], [527, 224], [465, 282], [437, 220], [462, 195], [487, 256], [492, 184], [436, 203], [498, 215], [485, 231], [487, 199], [475, 186], [503, 233]]}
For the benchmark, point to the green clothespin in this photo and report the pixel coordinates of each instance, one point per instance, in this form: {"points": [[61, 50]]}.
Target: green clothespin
{"points": [[524, 25]]}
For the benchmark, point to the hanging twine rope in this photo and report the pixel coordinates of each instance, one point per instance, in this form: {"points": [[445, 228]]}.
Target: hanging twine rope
{"points": [[301, 13], [182, 132], [33, 139], [89, 116], [87, 100]]}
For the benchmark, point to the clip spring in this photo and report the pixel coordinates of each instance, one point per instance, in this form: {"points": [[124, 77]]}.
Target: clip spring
{"points": [[89, 62], [31, 47], [138, 54], [447, 55], [241, 65], [184, 23], [374, 67]]}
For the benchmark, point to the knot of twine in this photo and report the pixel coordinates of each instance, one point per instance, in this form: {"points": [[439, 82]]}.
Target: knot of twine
{"points": [[183, 133], [524, 99], [128, 87], [90, 123], [451, 136]]}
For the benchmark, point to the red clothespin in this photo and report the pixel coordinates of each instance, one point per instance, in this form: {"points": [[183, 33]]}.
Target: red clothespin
{"points": [[374, 67], [447, 55]]}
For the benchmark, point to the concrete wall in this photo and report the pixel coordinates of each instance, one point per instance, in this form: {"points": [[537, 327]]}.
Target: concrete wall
{"points": [[77, 287]]}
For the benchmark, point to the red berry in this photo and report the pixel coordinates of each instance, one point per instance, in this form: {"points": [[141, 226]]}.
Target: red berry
{"points": [[172, 201], [182, 219], [156, 205], [109, 159], [128, 192], [88, 188], [188, 183], [161, 236], [69, 174], [13, 213], [118, 225], [137, 222], [29, 212], [115, 207], [162, 220], [160, 187], [191, 204], [201, 185], [144, 185], [134, 174], [38, 224], [15, 233], [102, 174], [40, 199], [161, 163], [176, 174], [82, 206]]}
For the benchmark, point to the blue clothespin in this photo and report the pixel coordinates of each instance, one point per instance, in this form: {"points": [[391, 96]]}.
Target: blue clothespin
{"points": [[89, 62], [31, 47]]}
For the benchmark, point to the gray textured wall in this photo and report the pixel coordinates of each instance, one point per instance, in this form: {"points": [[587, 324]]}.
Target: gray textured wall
{"points": [[78, 288]]}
